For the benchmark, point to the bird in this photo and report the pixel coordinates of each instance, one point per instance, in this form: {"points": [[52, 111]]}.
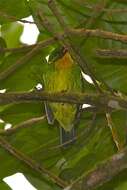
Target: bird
{"points": [[62, 75]]}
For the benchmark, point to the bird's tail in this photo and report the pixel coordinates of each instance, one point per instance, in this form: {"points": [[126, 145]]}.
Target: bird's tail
{"points": [[67, 137]]}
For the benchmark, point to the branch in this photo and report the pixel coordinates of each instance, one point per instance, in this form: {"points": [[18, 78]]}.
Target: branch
{"points": [[43, 44], [81, 32], [74, 9], [26, 21], [112, 53], [24, 124], [31, 163], [103, 173], [108, 11], [97, 12], [97, 100], [23, 48], [99, 33]]}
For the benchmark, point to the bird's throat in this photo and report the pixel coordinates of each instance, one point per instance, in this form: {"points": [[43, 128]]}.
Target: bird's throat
{"points": [[65, 62]]}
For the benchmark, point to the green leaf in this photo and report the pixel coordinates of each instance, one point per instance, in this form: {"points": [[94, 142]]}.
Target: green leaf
{"points": [[2, 45], [90, 149], [40, 141], [11, 33], [112, 71], [39, 184], [4, 186], [73, 13], [32, 72], [15, 114], [13, 10], [41, 6]]}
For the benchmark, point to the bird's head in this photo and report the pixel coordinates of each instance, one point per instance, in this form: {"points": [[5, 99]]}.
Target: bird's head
{"points": [[61, 57]]}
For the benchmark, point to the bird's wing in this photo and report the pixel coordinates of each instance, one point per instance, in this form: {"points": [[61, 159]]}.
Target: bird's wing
{"points": [[49, 113]]}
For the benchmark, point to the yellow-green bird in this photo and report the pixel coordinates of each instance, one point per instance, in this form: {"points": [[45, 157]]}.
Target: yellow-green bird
{"points": [[63, 75]]}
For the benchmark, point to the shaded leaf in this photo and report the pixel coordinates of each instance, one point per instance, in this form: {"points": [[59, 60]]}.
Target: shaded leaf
{"points": [[4, 186], [12, 10]]}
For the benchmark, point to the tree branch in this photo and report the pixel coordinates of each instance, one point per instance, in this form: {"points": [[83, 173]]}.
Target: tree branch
{"points": [[112, 53], [31, 163], [103, 173], [24, 124], [108, 11], [97, 12], [99, 33], [81, 31], [84, 14], [39, 46], [97, 100], [23, 48]]}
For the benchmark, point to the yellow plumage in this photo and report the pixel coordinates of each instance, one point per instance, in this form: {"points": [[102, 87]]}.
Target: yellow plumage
{"points": [[63, 75]]}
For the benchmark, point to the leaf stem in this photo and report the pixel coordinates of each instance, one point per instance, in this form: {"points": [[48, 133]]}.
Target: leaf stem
{"points": [[24, 124]]}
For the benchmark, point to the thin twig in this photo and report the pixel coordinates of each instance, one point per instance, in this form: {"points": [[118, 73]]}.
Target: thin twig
{"points": [[96, 12], [26, 21], [99, 33], [31, 163], [108, 11], [22, 125], [114, 132], [85, 15], [23, 48], [111, 53]]}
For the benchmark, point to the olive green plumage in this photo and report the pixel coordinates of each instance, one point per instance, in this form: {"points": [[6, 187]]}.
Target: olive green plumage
{"points": [[63, 75]]}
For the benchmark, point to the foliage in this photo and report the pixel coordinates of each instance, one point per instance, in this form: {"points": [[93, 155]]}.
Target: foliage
{"points": [[100, 134]]}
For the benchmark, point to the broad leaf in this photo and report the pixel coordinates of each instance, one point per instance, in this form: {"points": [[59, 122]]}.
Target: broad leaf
{"points": [[13, 10]]}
